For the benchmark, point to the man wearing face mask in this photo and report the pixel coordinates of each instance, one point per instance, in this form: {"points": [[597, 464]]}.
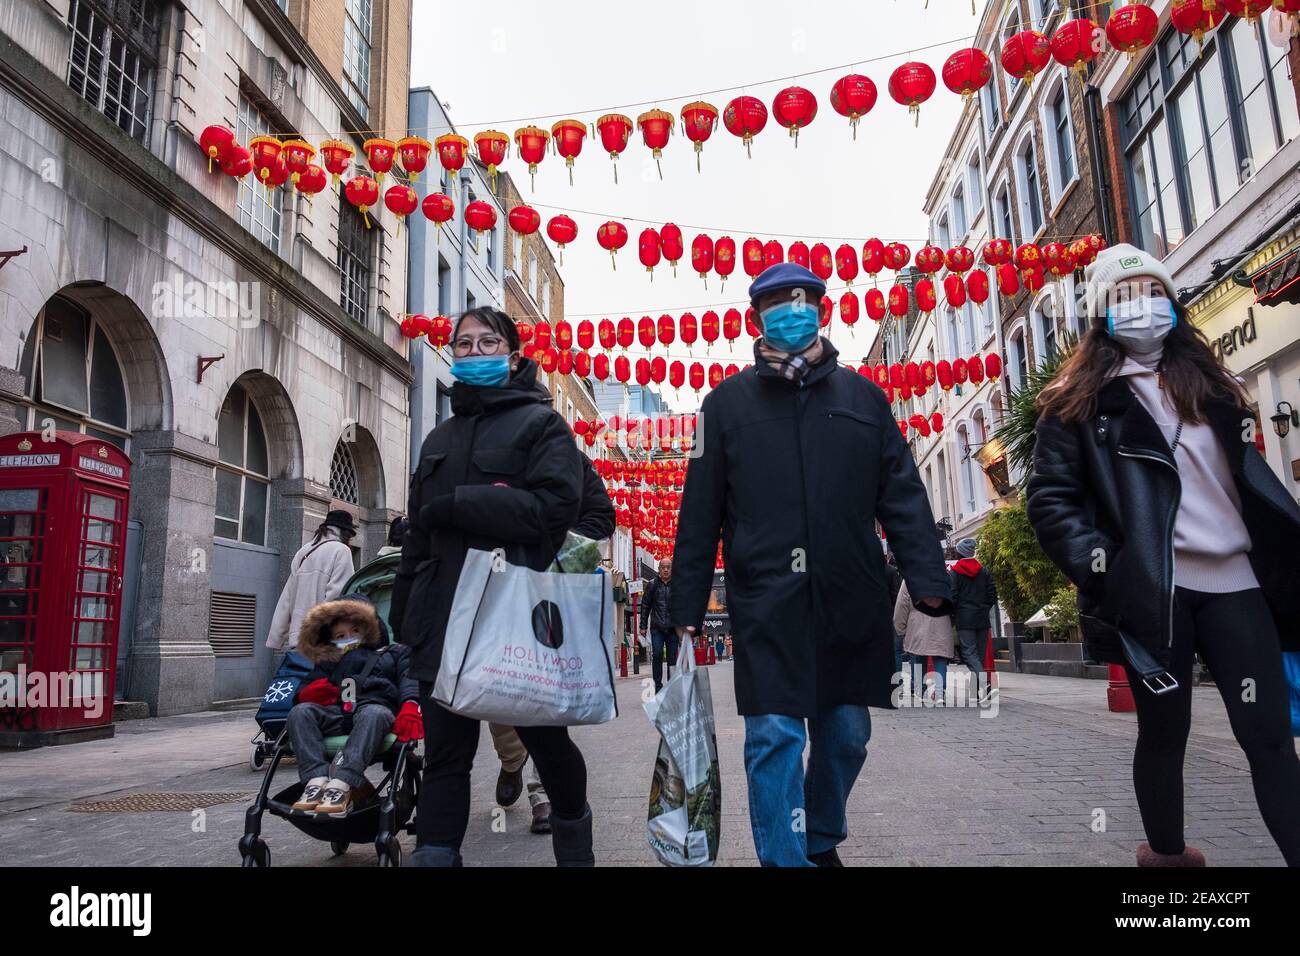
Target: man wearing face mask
{"points": [[797, 460], [1148, 492]]}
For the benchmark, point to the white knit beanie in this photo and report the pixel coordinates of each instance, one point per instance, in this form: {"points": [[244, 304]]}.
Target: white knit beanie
{"points": [[1118, 263]]}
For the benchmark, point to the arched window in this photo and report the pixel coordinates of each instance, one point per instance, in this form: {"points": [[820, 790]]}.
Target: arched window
{"points": [[967, 471], [1019, 359], [343, 475], [243, 475], [74, 378]]}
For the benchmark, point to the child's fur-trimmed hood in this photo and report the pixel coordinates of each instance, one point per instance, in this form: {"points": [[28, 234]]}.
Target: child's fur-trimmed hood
{"points": [[314, 640]]}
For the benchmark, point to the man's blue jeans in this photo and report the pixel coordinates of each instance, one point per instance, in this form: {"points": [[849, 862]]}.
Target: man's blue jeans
{"points": [[792, 812]]}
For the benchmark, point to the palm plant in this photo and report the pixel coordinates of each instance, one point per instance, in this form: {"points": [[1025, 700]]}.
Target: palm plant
{"points": [[1016, 433]]}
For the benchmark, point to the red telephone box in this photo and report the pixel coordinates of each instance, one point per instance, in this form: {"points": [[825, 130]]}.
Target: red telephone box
{"points": [[63, 510]]}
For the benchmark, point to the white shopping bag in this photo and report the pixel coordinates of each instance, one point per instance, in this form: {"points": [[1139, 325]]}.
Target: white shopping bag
{"points": [[528, 648], [685, 814]]}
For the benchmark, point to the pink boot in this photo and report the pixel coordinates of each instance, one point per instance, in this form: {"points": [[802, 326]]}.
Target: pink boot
{"points": [[1189, 857]]}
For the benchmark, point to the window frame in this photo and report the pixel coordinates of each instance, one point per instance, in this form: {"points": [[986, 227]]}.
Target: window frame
{"points": [[364, 265], [243, 472], [140, 42], [253, 196], [357, 88]]}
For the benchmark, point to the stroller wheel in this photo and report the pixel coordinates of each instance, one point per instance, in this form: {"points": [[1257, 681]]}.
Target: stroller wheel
{"points": [[257, 760], [391, 854], [260, 855], [339, 847]]}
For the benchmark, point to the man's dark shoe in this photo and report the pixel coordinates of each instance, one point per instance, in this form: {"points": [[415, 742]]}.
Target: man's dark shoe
{"points": [[510, 786], [541, 818], [825, 858]]}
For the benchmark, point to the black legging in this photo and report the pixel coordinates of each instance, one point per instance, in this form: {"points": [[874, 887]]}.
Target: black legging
{"points": [[450, 742], [1237, 638]]}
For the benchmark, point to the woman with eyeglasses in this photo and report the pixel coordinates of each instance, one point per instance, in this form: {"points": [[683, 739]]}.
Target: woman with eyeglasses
{"points": [[502, 472]]}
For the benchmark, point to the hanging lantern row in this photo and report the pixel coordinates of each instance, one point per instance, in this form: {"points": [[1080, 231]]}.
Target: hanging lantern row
{"points": [[1075, 44]]}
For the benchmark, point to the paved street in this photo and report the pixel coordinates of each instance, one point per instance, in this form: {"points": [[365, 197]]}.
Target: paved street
{"points": [[940, 787]]}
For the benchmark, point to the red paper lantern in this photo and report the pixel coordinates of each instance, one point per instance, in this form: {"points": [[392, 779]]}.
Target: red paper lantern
{"points": [[615, 131], [1026, 54], [626, 332], [380, 153], [898, 300], [716, 375], [911, 375], [936, 422], [648, 249], [874, 303], [849, 309], [959, 374], [699, 119], [438, 208], [312, 180], [215, 141], [525, 330], [1085, 250], [846, 263], [612, 236], [873, 257], [773, 254], [586, 336], [954, 290], [567, 136], [750, 325], [977, 286], [658, 370], [745, 116], [622, 369], [362, 192], [1028, 256], [724, 257], [656, 126], [564, 334], [452, 148], [821, 262], [1131, 29], [997, 252], [600, 367], [401, 201], [731, 323], [752, 251], [492, 146], [676, 374], [667, 330], [993, 366], [688, 329], [480, 216], [943, 374], [925, 296], [929, 259], [525, 220], [881, 374], [564, 363], [265, 153], [297, 156], [967, 71], [413, 326], [542, 334], [897, 255], [798, 253], [562, 231], [710, 327], [605, 334], [1251, 10], [853, 96], [440, 329], [1034, 277], [928, 374], [696, 376], [1076, 43], [911, 85], [530, 144], [975, 369], [827, 312], [1197, 17], [702, 256], [959, 259], [646, 331], [1058, 259], [336, 156], [1008, 280], [671, 244]]}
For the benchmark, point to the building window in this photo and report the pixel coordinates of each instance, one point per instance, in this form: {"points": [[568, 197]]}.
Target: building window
{"points": [[952, 332], [1061, 125], [959, 224], [1198, 123], [343, 475], [967, 470], [991, 106], [516, 251], [1031, 197], [544, 295], [444, 287], [354, 263], [1002, 212], [1019, 356], [112, 57], [942, 235], [356, 54], [260, 208], [974, 185], [74, 379], [1046, 328], [243, 475], [968, 318]]}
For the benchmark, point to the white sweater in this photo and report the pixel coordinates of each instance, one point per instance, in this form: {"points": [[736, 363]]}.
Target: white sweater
{"points": [[1211, 543], [317, 573]]}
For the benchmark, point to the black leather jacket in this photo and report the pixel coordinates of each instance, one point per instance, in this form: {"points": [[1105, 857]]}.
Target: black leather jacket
{"points": [[1103, 498]]}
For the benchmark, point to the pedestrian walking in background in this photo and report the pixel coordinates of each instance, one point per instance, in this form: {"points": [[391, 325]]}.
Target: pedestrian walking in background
{"points": [[317, 573], [502, 472], [928, 640], [655, 616], [973, 597], [396, 533], [1148, 492], [798, 459]]}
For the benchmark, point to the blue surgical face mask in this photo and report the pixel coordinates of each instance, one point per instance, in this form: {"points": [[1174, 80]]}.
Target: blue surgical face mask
{"points": [[790, 326], [490, 370], [346, 644], [1141, 322]]}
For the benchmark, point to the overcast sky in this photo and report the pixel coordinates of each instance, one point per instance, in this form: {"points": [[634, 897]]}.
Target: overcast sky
{"points": [[514, 62]]}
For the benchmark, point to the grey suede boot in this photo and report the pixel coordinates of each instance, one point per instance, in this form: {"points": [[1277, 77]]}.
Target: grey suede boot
{"points": [[571, 839], [1189, 857], [441, 856]]}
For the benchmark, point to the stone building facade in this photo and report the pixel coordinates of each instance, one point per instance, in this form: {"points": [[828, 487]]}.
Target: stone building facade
{"points": [[239, 343]]}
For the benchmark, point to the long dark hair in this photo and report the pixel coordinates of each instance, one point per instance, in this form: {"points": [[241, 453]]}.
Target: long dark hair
{"points": [[494, 319], [1192, 375]]}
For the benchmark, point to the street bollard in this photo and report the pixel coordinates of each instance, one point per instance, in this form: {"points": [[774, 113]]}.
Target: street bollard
{"points": [[622, 660]]}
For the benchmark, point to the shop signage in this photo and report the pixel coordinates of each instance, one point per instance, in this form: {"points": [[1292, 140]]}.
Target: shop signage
{"points": [[1237, 337]]}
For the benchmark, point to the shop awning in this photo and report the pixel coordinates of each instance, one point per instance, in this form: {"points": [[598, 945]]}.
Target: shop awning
{"points": [[1278, 283]]}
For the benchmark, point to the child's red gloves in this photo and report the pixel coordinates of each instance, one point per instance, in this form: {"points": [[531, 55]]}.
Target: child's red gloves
{"points": [[409, 724], [320, 692]]}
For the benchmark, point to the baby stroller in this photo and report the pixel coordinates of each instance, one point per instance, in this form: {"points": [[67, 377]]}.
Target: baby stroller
{"points": [[379, 821]]}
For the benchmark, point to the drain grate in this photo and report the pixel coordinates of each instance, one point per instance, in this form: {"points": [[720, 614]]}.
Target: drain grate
{"points": [[148, 802]]}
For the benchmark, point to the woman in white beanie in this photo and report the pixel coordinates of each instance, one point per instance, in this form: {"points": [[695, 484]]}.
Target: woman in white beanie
{"points": [[1148, 492]]}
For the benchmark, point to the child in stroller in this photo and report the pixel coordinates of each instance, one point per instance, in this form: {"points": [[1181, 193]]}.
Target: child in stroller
{"points": [[359, 685]]}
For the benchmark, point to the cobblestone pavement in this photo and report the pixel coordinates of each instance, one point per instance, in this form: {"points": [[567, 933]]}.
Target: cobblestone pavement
{"points": [[940, 787]]}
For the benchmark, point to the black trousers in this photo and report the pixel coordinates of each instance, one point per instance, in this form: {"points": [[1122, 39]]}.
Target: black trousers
{"points": [[660, 641], [1235, 635], [450, 742]]}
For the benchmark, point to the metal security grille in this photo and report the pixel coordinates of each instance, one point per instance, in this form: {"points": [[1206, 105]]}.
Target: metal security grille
{"points": [[151, 802], [232, 624], [343, 475], [354, 263], [111, 58]]}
